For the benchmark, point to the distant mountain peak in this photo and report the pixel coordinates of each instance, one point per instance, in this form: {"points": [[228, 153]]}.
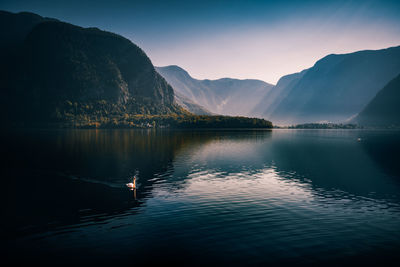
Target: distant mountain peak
{"points": [[227, 96], [334, 89]]}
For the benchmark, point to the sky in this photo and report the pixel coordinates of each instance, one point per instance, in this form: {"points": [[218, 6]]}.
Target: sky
{"points": [[239, 39]]}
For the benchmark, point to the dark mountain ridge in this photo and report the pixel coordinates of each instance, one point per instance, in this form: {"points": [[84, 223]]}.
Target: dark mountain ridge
{"points": [[15, 27], [58, 66], [384, 109]]}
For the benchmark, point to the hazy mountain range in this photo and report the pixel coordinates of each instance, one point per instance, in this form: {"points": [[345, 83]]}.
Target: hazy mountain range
{"points": [[271, 100], [224, 96], [335, 89]]}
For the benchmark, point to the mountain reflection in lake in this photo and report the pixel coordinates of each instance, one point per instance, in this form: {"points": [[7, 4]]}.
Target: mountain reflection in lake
{"points": [[206, 197]]}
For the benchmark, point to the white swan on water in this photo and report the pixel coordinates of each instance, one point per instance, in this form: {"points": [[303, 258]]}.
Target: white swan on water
{"points": [[133, 184]]}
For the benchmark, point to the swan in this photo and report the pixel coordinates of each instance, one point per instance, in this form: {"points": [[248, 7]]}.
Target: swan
{"points": [[133, 184]]}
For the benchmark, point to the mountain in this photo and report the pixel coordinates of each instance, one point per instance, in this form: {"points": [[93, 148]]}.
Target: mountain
{"points": [[336, 88], [13, 30], [224, 96], [384, 109], [58, 70], [190, 106], [15, 27], [275, 96]]}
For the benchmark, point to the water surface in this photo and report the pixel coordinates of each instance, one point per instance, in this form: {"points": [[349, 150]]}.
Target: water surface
{"points": [[207, 197]]}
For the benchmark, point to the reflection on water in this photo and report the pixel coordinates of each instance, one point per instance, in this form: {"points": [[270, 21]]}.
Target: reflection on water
{"points": [[244, 197]]}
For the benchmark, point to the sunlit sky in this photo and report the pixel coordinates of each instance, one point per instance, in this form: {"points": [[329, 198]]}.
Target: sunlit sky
{"points": [[239, 39]]}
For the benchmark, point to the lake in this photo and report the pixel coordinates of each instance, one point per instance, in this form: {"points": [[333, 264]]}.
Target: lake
{"points": [[248, 197]]}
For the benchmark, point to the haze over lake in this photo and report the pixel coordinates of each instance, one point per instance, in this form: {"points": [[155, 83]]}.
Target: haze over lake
{"points": [[206, 197]]}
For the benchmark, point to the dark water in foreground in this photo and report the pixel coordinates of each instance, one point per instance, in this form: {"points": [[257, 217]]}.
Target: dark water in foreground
{"points": [[203, 198]]}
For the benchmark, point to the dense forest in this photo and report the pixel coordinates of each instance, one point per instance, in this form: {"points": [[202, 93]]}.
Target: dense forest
{"points": [[108, 115]]}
